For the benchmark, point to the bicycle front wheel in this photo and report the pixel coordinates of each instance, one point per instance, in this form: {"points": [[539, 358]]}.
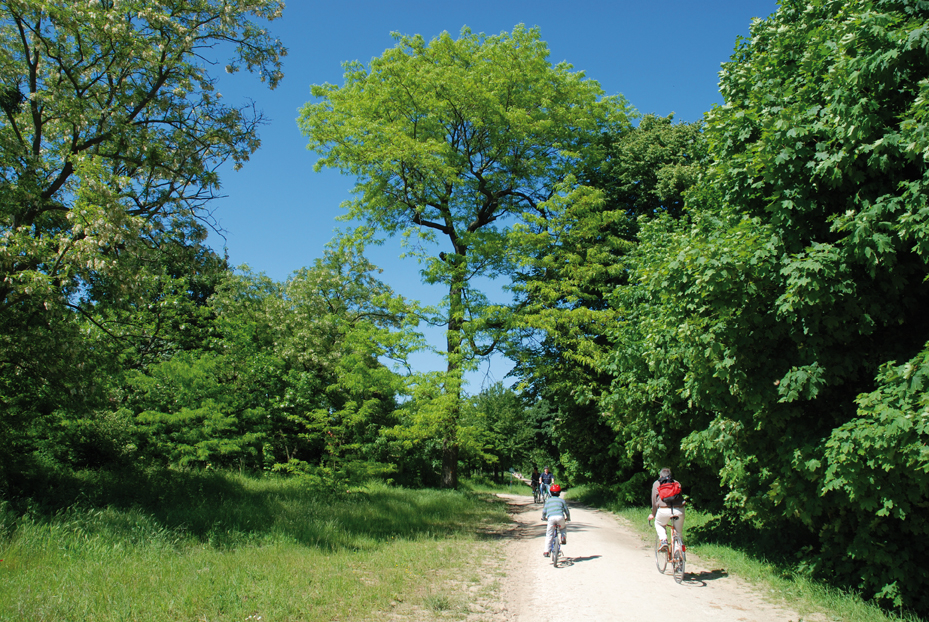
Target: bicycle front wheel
{"points": [[661, 557], [680, 561]]}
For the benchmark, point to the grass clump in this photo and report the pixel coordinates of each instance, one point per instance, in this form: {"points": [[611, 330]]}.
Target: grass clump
{"points": [[229, 547]]}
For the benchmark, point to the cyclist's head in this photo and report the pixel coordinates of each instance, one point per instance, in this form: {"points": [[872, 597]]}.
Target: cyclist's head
{"points": [[664, 473], [555, 490], [546, 469]]}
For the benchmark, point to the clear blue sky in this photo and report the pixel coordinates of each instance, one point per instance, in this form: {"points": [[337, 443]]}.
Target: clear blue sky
{"points": [[278, 214]]}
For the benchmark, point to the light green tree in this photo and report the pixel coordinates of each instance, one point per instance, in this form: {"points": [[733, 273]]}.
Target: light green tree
{"points": [[452, 142]]}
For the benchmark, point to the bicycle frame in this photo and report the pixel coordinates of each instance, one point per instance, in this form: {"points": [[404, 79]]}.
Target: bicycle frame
{"points": [[555, 547], [675, 553]]}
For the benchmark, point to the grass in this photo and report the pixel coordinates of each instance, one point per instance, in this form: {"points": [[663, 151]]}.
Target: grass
{"points": [[778, 580], [227, 547]]}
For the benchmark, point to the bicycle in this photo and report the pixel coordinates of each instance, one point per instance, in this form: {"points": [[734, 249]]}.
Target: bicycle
{"points": [[536, 494], [676, 552], [555, 549]]}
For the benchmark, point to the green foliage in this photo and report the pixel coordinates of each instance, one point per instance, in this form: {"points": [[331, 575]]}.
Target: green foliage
{"points": [[575, 261], [757, 344], [878, 475], [504, 433], [291, 377], [110, 135], [454, 140]]}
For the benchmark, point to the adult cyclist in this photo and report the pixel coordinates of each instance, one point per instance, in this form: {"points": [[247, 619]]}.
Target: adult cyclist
{"points": [[663, 508], [546, 480]]}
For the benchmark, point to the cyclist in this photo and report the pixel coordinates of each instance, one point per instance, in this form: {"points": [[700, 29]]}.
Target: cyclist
{"points": [[664, 508], [555, 511], [534, 479], [547, 479]]}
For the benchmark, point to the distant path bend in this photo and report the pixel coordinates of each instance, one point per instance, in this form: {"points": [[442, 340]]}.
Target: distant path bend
{"points": [[609, 574]]}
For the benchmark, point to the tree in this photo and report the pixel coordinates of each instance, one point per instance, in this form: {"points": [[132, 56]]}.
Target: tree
{"points": [[112, 127], [455, 140], [506, 436], [111, 132], [575, 260], [778, 335], [292, 378]]}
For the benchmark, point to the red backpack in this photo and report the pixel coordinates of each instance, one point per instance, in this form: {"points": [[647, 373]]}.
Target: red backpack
{"points": [[669, 491]]}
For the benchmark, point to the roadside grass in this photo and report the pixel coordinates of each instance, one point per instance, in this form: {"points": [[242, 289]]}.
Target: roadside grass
{"points": [[778, 581], [219, 546]]}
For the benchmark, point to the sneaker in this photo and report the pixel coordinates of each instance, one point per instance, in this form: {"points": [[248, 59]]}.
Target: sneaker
{"points": [[663, 546], [563, 541], [545, 553]]}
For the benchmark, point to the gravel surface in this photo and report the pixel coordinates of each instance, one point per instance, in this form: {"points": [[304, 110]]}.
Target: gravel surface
{"points": [[609, 574]]}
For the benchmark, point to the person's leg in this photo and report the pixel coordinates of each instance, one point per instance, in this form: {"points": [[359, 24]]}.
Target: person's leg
{"points": [[661, 521], [679, 523], [549, 534], [563, 525]]}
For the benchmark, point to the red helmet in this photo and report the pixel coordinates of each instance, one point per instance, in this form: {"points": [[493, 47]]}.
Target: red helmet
{"points": [[555, 488]]}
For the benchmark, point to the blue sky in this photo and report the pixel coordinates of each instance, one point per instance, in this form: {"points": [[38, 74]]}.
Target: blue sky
{"points": [[278, 214]]}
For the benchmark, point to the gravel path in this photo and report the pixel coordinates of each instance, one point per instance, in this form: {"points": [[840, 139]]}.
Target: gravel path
{"points": [[609, 574]]}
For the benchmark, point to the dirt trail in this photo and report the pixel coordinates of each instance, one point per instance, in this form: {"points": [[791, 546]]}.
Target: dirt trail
{"points": [[609, 574]]}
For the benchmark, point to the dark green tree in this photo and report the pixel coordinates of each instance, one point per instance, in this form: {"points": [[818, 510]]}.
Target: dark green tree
{"points": [[575, 258], [777, 336]]}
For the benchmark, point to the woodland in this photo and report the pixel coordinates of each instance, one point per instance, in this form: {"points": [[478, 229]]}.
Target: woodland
{"points": [[744, 298]]}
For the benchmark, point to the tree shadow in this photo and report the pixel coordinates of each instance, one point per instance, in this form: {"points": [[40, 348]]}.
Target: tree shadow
{"points": [[228, 511]]}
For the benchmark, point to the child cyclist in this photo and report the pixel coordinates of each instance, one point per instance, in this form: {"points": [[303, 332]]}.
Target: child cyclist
{"points": [[556, 512]]}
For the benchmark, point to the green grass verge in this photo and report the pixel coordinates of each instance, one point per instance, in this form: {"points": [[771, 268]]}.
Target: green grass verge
{"points": [[227, 547], [777, 581]]}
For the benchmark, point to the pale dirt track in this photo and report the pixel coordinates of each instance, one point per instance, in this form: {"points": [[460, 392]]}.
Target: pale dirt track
{"points": [[609, 574]]}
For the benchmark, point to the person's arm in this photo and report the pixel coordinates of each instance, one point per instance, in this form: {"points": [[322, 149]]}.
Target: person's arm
{"points": [[654, 500], [567, 512]]}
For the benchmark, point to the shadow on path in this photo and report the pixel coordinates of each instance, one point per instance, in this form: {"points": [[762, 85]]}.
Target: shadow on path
{"points": [[699, 579]]}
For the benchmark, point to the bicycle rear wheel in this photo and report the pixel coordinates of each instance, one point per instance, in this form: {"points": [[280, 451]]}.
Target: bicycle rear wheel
{"points": [[661, 557], [556, 548], [679, 561]]}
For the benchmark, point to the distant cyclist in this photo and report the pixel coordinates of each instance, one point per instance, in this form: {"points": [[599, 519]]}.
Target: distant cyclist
{"points": [[547, 479], [534, 479], [667, 501], [555, 512]]}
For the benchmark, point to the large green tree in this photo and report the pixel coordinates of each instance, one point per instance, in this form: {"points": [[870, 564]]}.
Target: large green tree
{"points": [[574, 259], [111, 132], [778, 336], [453, 141]]}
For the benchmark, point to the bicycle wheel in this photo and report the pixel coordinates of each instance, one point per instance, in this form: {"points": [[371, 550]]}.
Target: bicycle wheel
{"points": [[661, 557], [679, 561], [556, 548]]}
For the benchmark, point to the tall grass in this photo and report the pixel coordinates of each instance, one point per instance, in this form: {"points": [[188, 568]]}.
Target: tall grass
{"points": [[774, 576], [228, 547]]}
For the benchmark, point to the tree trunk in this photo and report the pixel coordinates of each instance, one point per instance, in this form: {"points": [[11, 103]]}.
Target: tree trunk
{"points": [[450, 465], [454, 376]]}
